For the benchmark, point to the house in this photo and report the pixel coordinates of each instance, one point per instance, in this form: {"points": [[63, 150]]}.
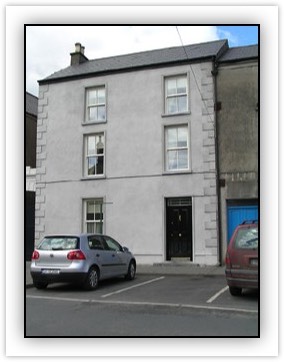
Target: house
{"points": [[31, 103], [126, 146], [237, 123]]}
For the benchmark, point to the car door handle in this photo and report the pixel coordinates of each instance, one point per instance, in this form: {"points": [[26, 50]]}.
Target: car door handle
{"points": [[113, 255], [97, 255]]}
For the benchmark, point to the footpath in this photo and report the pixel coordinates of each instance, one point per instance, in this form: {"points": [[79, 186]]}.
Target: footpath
{"points": [[167, 268]]}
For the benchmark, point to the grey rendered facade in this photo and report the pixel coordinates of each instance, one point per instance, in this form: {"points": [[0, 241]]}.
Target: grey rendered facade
{"points": [[151, 183]]}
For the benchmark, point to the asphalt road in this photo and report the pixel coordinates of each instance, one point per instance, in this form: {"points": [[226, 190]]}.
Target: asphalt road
{"points": [[151, 305]]}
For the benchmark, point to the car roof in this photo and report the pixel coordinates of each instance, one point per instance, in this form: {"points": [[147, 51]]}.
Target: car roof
{"points": [[79, 235], [248, 223]]}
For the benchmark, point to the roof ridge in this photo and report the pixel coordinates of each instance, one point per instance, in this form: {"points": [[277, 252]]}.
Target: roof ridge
{"points": [[159, 49], [244, 46]]}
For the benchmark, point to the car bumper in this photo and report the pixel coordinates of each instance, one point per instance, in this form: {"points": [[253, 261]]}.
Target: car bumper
{"points": [[61, 277], [242, 278]]}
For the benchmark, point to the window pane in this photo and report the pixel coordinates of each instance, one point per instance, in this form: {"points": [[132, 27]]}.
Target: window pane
{"points": [[101, 96], [90, 210], [93, 114], [99, 228], [112, 244], [182, 136], [91, 145], [172, 160], [172, 105], [171, 137], [92, 97], [247, 239], [182, 159], [95, 243], [181, 85], [92, 161], [99, 145], [90, 228], [65, 243], [100, 165], [171, 86], [97, 211], [182, 103], [98, 215], [101, 112]]}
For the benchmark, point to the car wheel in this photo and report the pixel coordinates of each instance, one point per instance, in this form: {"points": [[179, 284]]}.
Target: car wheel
{"points": [[131, 271], [92, 279], [235, 291], [40, 285]]}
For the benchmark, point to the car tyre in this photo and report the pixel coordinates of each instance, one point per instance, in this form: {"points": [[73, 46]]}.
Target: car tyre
{"points": [[235, 291], [131, 271], [40, 285], [92, 279]]}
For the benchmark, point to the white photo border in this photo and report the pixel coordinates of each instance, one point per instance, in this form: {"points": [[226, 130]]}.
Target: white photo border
{"points": [[16, 17]]}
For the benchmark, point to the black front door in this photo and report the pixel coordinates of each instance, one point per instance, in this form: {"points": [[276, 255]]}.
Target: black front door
{"points": [[179, 228]]}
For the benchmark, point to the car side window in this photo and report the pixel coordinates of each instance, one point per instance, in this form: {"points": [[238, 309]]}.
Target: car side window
{"points": [[95, 243], [112, 244]]}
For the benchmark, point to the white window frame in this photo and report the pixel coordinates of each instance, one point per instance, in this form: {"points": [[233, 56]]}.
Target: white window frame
{"points": [[176, 95], [95, 105], [176, 148], [98, 224], [93, 155]]}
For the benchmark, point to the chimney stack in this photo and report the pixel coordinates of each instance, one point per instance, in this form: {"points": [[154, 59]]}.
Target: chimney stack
{"points": [[78, 56]]}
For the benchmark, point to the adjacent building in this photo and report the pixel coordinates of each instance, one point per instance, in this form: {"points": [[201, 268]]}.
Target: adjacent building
{"points": [[238, 134], [128, 146], [31, 103]]}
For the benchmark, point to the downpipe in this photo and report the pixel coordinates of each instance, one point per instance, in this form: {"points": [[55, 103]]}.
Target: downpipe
{"points": [[214, 73]]}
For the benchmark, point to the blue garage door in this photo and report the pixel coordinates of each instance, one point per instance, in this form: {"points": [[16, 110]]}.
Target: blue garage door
{"points": [[238, 214]]}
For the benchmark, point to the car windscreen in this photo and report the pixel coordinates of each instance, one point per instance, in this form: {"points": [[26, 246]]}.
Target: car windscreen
{"points": [[59, 243], [247, 238]]}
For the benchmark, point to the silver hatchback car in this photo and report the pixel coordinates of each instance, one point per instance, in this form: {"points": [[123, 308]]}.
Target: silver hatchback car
{"points": [[83, 259]]}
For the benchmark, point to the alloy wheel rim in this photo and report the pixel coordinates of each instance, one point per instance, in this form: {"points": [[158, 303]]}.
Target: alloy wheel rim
{"points": [[93, 278], [132, 270]]}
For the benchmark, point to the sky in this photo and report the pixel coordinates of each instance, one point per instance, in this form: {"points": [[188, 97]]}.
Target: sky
{"points": [[48, 48]]}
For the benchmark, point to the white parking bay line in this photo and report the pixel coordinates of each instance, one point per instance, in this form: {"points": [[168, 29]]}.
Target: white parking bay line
{"points": [[152, 304], [132, 287], [215, 296]]}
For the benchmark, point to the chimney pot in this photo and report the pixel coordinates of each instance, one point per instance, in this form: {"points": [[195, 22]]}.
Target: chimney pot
{"points": [[78, 48], [78, 56]]}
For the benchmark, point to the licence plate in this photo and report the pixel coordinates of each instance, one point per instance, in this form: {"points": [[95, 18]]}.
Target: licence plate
{"points": [[50, 271], [254, 262]]}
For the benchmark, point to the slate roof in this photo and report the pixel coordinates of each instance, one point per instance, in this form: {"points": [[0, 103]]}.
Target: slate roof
{"points": [[153, 58], [239, 53], [31, 104]]}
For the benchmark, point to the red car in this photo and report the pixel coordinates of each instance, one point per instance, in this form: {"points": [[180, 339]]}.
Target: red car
{"points": [[242, 258]]}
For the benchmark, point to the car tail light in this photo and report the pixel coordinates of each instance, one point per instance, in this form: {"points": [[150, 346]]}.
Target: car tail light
{"points": [[228, 260], [76, 255], [35, 255]]}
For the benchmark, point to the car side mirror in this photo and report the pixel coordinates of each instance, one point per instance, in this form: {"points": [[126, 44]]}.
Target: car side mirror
{"points": [[125, 249]]}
